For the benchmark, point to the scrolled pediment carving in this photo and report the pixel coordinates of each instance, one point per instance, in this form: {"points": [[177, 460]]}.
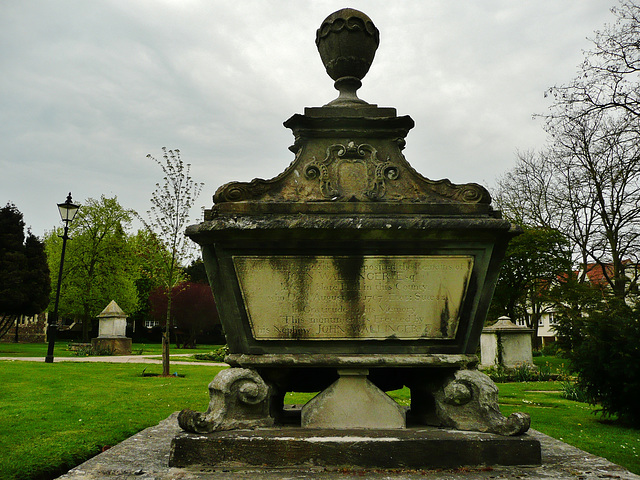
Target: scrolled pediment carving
{"points": [[352, 172]]}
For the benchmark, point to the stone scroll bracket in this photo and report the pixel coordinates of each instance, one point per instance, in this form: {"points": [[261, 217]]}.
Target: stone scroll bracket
{"points": [[458, 399], [239, 398], [465, 400]]}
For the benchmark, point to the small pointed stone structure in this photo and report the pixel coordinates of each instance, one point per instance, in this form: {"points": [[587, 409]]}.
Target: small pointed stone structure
{"points": [[112, 331]]}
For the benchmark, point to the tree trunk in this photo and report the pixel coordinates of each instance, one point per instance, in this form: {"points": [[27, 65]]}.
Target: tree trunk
{"points": [[166, 338], [86, 327], [165, 354], [17, 333]]}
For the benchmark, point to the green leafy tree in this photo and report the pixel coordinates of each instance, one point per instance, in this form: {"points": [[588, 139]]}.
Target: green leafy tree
{"points": [[171, 204], [533, 263], [573, 301], [25, 282], [197, 272], [99, 264]]}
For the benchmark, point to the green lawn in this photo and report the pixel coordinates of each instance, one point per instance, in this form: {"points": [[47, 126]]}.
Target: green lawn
{"points": [[572, 422], [61, 349], [57, 415]]}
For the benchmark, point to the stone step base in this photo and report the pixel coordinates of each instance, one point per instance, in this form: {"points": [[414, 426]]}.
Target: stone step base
{"points": [[415, 448]]}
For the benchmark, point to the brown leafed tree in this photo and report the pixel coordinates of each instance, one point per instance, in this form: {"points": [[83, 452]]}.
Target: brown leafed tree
{"points": [[193, 311]]}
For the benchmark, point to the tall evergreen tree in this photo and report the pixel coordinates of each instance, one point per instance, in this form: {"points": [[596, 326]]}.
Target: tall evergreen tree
{"points": [[25, 283]]}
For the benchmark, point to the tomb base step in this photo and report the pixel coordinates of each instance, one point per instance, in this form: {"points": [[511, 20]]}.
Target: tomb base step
{"points": [[415, 448]]}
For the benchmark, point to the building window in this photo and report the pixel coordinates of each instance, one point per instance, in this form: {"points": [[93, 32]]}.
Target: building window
{"points": [[151, 323], [521, 322], [552, 319]]}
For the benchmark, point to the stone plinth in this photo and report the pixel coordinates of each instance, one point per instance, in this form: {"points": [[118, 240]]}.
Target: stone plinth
{"points": [[505, 343], [352, 401], [117, 345]]}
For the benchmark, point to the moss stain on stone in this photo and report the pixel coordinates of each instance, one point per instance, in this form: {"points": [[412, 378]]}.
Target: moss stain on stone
{"points": [[445, 318], [350, 272]]}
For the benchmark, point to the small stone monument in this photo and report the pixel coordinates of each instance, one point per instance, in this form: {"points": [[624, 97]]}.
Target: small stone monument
{"points": [[350, 274], [112, 331], [507, 344]]}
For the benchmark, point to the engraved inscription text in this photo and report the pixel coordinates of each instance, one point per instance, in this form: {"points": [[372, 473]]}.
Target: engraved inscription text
{"points": [[353, 297]]}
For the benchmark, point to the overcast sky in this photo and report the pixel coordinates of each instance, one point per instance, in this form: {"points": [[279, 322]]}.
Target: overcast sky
{"points": [[89, 88]]}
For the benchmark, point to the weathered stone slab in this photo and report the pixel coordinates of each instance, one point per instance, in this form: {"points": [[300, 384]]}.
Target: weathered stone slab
{"points": [[410, 448], [353, 297]]}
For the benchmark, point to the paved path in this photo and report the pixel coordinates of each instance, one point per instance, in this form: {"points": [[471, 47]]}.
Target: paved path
{"points": [[157, 359], [145, 456]]}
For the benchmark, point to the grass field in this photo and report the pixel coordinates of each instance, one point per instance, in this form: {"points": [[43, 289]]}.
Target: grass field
{"points": [[54, 416], [61, 349]]}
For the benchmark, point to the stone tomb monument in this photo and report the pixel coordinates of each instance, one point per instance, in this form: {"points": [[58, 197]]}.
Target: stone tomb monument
{"points": [[507, 344], [350, 274], [112, 331]]}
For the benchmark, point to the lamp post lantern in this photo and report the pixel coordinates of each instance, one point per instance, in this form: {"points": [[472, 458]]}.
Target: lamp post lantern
{"points": [[68, 212]]}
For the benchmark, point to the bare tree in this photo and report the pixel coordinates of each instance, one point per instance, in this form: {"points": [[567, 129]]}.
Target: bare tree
{"points": [[608, 78], [171, 203], [586, 184]]}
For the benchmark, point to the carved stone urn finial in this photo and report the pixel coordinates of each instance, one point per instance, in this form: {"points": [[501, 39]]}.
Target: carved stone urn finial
{"points": [[347, 41]]}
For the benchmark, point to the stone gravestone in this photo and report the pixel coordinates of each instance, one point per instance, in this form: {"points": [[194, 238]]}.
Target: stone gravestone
{"points": [[350, 274], [112, 331]]}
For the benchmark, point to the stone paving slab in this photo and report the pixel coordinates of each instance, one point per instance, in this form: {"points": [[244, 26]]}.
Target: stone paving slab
{"points": [[145, 456]]}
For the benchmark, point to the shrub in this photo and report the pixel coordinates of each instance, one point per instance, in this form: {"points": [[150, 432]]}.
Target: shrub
{"points": [[550, 350], [519, 373], [605, 356], [216, 356], [572, 391], [90, 351]]}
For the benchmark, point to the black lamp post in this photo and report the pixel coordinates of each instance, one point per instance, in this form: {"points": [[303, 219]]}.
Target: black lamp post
{"points": [[67, 212]]}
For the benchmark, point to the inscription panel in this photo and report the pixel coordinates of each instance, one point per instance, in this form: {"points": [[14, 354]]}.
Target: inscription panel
{"points": [[353, 297]]}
